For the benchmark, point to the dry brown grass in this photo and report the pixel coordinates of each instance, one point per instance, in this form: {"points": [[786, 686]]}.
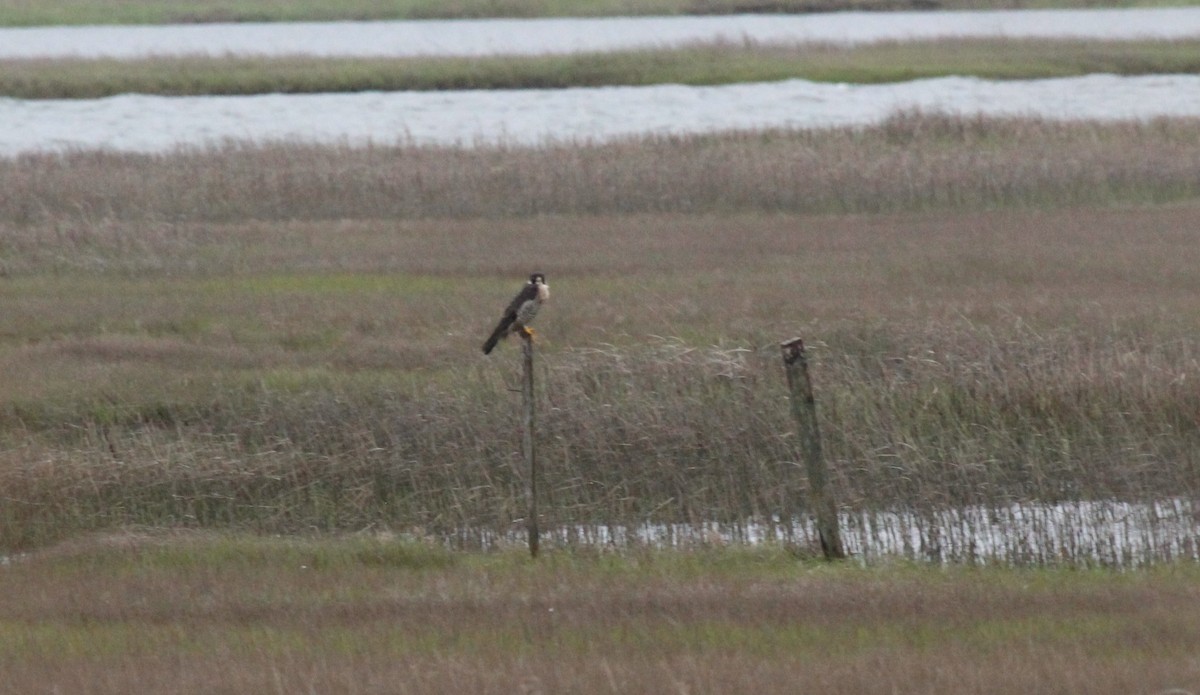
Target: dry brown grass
{"points": [[911, 162], [368, 616], [331, 378], [266, 339]]}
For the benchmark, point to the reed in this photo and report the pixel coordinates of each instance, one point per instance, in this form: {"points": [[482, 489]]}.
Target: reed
{"points": [[912, 161], [666, 434]]}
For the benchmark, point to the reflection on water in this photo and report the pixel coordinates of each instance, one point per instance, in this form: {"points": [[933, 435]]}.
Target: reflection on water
{"points": [[1104, 533]]}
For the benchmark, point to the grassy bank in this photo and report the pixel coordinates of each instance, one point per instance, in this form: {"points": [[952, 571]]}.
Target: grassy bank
{"points": [[365, 615], [23, 13], [695, 65]]}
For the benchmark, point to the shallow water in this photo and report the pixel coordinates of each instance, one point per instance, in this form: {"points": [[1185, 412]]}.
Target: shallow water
{"points": [[505, 36], [144, 123], [1105, 533]]}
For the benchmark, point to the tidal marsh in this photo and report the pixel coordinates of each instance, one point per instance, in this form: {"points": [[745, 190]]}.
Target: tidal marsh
{"points": [[295, 355], [202, 349]]}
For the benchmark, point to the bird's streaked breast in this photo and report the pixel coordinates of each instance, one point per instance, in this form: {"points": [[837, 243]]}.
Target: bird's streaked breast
{"points": [[527, 311]]}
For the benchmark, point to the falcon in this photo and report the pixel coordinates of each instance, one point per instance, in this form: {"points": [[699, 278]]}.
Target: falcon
{"points": [[521, 311]]}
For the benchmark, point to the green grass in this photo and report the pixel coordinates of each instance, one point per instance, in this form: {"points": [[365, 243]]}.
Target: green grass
{"points": [[201, 612], [694, 65]]}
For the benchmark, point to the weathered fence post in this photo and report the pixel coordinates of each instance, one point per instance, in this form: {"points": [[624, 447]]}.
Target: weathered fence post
{"points": [[531, 469], [804, 409]]}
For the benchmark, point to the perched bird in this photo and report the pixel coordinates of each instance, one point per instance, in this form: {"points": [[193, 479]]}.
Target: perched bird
{"points": [[521, 311]]}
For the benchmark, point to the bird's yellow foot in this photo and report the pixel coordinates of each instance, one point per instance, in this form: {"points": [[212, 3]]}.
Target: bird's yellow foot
{"points": [[529, 333]]}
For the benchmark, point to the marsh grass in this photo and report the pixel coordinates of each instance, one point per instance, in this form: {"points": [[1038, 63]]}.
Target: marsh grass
{"points": [[670, 435], [912, 161], [701, 64], [374, 614], [264, 339]]}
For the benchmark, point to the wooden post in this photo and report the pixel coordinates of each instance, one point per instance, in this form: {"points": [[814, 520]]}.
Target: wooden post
{"points": [[804, 409], [531, 518]]}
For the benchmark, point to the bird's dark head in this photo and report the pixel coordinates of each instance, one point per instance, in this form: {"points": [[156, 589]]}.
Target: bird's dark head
{"points": [[537, 279]]}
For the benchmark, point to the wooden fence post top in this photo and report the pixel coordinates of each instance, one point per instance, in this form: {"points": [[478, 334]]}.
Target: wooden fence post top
{"points": [[792, 349]]}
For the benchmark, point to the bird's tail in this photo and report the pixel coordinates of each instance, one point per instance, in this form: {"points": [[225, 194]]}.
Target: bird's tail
{"points": [[493, 339]]}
